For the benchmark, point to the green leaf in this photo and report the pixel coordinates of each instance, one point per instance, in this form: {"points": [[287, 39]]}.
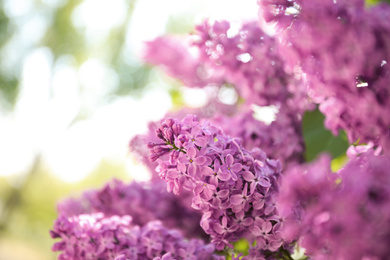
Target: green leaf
{"points": [[318, 139]]}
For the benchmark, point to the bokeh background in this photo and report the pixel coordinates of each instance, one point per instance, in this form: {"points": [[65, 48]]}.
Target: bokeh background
{"points": [[73, 91]]}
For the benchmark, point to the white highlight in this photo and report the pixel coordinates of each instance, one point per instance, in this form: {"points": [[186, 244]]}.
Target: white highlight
{"points": [[228, 95], [245, 57], [194, 97], [266, 114]]}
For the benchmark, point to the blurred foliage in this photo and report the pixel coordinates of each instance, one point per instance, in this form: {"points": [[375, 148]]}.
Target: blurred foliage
{"points": [[62, 37], [338, 162], [28, 200], [180, 24], [241, 246], [374, 2], [34, 211], [8, 83], [318, 139]]}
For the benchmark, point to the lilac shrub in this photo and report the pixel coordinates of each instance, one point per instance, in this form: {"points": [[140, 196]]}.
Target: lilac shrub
{"points": [[234, 188], [224, 167], [343, 215], [349, 75]]}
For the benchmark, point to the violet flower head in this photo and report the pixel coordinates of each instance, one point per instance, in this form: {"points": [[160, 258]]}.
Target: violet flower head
{"points": [[222, 193], [348, 76], [149, 201], [251, 63], [96, 236]]}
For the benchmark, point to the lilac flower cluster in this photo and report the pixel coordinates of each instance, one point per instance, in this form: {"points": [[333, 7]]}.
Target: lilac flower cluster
{"points": [[253, 133], [248, 59], [343, 215], [251, 62], [349, 76], [96, 236], [144, 202], [233, 187]]}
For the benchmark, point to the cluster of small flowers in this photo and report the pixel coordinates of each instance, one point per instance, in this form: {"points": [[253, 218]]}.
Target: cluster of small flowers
{"points": [[253, 133], [349, 76], [343, 215], [144, 202], [96, 236], [249, 61], [235, 189], [137, 144]]}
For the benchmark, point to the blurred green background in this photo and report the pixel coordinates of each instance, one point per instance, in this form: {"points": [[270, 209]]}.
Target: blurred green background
{"points": [[73, 91]]}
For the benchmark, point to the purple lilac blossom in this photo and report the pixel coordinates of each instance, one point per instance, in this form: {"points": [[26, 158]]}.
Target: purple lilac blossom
{"points": [[96, 236], [249, 60], [250, 63], [140, 150], [348, 76], [343, 215], [217, 172], [282, 139], [142, 201]]}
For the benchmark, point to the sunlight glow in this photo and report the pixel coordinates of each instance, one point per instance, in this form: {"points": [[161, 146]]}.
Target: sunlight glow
{"points": [[266, 114]]}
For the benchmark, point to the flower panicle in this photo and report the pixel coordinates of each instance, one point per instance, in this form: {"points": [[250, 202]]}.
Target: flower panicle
{"points": [[233, 188]]}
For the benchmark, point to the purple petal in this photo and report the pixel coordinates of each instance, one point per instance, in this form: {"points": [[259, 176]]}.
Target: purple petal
{"points": [[233, 228], [191, 169], [216, 202], [224, 176], [258, 204], [200, 141], [223, 194], [198, 189], [264, 182], [236, 167], [218, 228], [200, 160], [247, 222], [266, 227], [229, 159], [191, 152], [256, 231], [173, 174], [208, 191], [224, 221], [207, 171], [248, 176], [236, 199]]}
